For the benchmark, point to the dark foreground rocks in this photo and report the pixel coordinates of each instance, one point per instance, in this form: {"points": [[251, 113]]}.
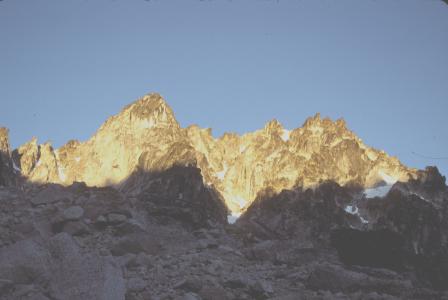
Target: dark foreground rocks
{"points": [[80, 242]]}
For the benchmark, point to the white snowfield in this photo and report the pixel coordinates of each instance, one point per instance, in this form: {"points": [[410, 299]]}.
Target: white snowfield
{"points": [[353, 210], [380, 191], [222, 173], [15, 167], [61, 174], [285, 135], [233, 217]]}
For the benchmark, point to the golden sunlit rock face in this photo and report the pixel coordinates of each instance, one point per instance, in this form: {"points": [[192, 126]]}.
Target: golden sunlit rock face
{"points": [[145, 136], [6, 164]]}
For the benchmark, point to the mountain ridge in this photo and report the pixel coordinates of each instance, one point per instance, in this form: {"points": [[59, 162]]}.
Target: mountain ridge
{"points": [[146, 133]]}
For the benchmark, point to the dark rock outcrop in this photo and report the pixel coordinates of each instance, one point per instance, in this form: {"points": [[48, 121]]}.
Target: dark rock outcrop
{"points": [[178, 193], [405, 231]]}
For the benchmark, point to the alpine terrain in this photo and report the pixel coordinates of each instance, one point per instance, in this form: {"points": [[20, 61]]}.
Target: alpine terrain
{"points": [[146, 209]]}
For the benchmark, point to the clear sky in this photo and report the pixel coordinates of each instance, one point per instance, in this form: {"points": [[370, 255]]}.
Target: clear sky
{"points": [[65, 66]]}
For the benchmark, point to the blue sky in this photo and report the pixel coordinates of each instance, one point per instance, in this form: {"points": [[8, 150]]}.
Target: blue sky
{"points": [[65, 66]]}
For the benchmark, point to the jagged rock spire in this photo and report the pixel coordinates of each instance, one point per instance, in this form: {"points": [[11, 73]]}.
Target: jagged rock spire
{"points": [[153, 111], [273, 126], [7, 172], [4, 140]]}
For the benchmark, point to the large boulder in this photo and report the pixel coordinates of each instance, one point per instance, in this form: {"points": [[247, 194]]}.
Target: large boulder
{"points": [[77, 275], [62, 268], [25, 262]]}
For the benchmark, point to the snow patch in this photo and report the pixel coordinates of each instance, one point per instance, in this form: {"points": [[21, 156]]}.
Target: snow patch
{"points": [[285, 135], [231, 219], [15, 167], [380, 191], [147, 123], [222, 173], [353, 210], [371, 155], [163, 115], [61, 174], [420, 196], [38, 163], [316, 130], [239, 200], [364, 221], [387, 178]]}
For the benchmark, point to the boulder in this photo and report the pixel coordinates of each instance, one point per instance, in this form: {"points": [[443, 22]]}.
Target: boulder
{"points": [[50, 194], [25, 262], [115, 218], [135, 244], [82, 276], [191, 284], [73, 213], [135, 285]]}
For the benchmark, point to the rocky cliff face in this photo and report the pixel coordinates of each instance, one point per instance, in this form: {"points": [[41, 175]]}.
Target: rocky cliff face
{"points": [[112, 154], [404, 229], [145, 135], [7, 168]]}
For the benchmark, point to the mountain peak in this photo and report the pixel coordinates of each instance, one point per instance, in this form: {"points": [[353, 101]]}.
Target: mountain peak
{"points": [[312, 121], [273, 126], [151, 100], [4, 141], [317, 123], [6, 166], [4, 135], [150, 111], [341, 123], [152, 106]]}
